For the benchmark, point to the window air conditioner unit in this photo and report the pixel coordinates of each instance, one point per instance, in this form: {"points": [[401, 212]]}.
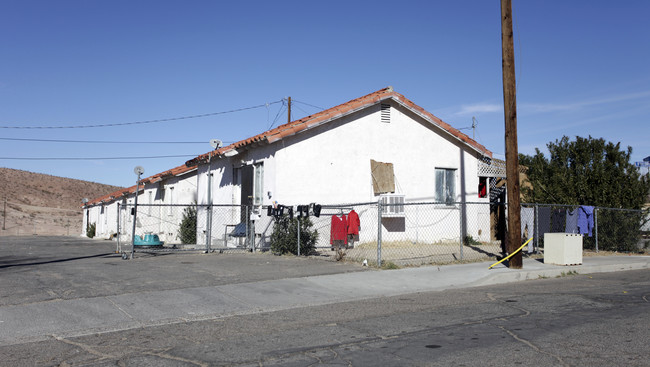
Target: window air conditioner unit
{"points": [[392, 205]]}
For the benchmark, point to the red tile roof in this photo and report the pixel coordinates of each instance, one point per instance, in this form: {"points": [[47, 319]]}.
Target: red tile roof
{"points": [[302, 124], [341, 110], [176, 171]]}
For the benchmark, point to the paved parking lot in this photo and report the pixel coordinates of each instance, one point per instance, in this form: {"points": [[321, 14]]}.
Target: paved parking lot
{"points": [[37, 269]]}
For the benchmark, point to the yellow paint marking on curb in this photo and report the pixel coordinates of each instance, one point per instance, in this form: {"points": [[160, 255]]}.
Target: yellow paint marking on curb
{"points": [[511, 255]]}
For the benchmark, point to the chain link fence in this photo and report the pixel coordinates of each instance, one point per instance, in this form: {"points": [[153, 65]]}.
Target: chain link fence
{"points": [[403, 234]]}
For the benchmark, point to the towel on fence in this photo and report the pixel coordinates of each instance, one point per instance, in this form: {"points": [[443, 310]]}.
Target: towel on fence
{"points": [[527, 216], [571, 221], [585, 219], [558, 220], [544, 220]]}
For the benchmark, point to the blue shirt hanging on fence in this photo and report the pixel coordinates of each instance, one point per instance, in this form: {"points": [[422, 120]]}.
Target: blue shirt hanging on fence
{"points": [[585, 219]]}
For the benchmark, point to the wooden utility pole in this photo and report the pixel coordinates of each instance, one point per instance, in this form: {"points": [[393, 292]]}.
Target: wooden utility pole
{"points": [[513, 241], [289, 110]]}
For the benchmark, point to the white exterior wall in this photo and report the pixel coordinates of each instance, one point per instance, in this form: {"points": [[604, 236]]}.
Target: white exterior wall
{"points": [[330, 164], [164, 220]]}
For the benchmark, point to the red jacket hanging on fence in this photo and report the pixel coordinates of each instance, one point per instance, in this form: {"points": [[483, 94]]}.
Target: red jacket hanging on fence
{"points": [[354, 224], [339, 229]]}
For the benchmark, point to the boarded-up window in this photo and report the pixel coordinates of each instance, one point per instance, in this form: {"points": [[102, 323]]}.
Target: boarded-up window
{"points": [[383, 178]]}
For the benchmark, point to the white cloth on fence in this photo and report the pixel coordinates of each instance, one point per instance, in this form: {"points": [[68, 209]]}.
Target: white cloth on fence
{"points": [[527, 218]]}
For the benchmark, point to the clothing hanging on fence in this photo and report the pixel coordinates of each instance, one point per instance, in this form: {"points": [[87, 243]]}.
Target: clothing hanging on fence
{"points": [[571, 221], [544, 220], [558, 220], [354, 224], [339, 230], [585, 219], [527, 218]]}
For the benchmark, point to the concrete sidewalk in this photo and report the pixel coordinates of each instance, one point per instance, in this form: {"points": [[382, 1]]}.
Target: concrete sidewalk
{"points": [[83, 316]]}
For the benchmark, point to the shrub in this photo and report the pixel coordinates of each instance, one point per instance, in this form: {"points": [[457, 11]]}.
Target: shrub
{"points": [[285, 232], [90, 230], [187, 228]]}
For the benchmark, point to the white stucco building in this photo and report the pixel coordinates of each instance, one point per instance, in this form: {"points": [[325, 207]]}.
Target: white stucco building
{"points": [[158, 213], [377, 146], [327, 158]]}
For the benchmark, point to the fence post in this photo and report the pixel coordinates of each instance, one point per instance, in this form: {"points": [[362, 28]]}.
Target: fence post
{"points": [[379, 209], [208, 231], [596, 226], [117, 247], [536, 228], [460, 222]]}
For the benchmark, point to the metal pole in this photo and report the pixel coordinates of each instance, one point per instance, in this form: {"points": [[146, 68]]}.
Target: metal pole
{"points": [[596, 226], [298, 219], [117, 246], [208, 231], [379, 233], [135, 216], [248, 233], [4, 215], [536, 229], [460, 211]]}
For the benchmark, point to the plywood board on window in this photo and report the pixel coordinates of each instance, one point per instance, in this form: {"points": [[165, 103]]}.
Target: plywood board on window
{"points": [[383, 177]]}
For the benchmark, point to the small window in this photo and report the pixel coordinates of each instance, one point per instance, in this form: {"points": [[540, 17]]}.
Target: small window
{"points": [[445, 185], [482, 187], [258, 184]]}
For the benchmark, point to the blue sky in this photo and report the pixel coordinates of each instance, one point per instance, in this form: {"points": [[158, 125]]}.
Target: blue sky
{"points": [[583, 68]]}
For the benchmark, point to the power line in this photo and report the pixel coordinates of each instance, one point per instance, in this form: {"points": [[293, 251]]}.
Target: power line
{"points": [[107, 141], [277, 115], [310, 105], [92, 158], [140, 122]]}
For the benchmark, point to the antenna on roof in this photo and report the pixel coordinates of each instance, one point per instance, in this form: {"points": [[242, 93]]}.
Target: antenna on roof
{"points": [[216, 143], [474, 123]]}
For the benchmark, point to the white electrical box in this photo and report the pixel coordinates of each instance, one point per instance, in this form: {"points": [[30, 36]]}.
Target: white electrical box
{"points": [[562, 248]]}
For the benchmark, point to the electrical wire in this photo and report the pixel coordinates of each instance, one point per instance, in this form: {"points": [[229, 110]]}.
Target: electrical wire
{"points": [[107, 141], [141, 122], [277, 115], [92, 158], [307, 104]]}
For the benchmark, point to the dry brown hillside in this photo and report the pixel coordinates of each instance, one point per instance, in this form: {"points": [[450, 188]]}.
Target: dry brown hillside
{"points": [[43, 204]]}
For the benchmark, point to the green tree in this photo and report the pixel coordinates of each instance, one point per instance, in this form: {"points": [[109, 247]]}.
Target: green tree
{"points": [[590, 171], [187, 228], [284, 238]]}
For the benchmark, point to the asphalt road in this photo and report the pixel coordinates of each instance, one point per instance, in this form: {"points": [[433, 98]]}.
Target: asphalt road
{"points": [[574, 320], [38, 269]]}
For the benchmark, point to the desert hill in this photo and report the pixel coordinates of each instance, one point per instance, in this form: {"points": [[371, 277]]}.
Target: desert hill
{"points": [[43, 204]]}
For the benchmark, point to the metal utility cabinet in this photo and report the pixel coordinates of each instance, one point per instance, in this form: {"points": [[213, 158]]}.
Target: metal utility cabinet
{"points": [[562, 248]]}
